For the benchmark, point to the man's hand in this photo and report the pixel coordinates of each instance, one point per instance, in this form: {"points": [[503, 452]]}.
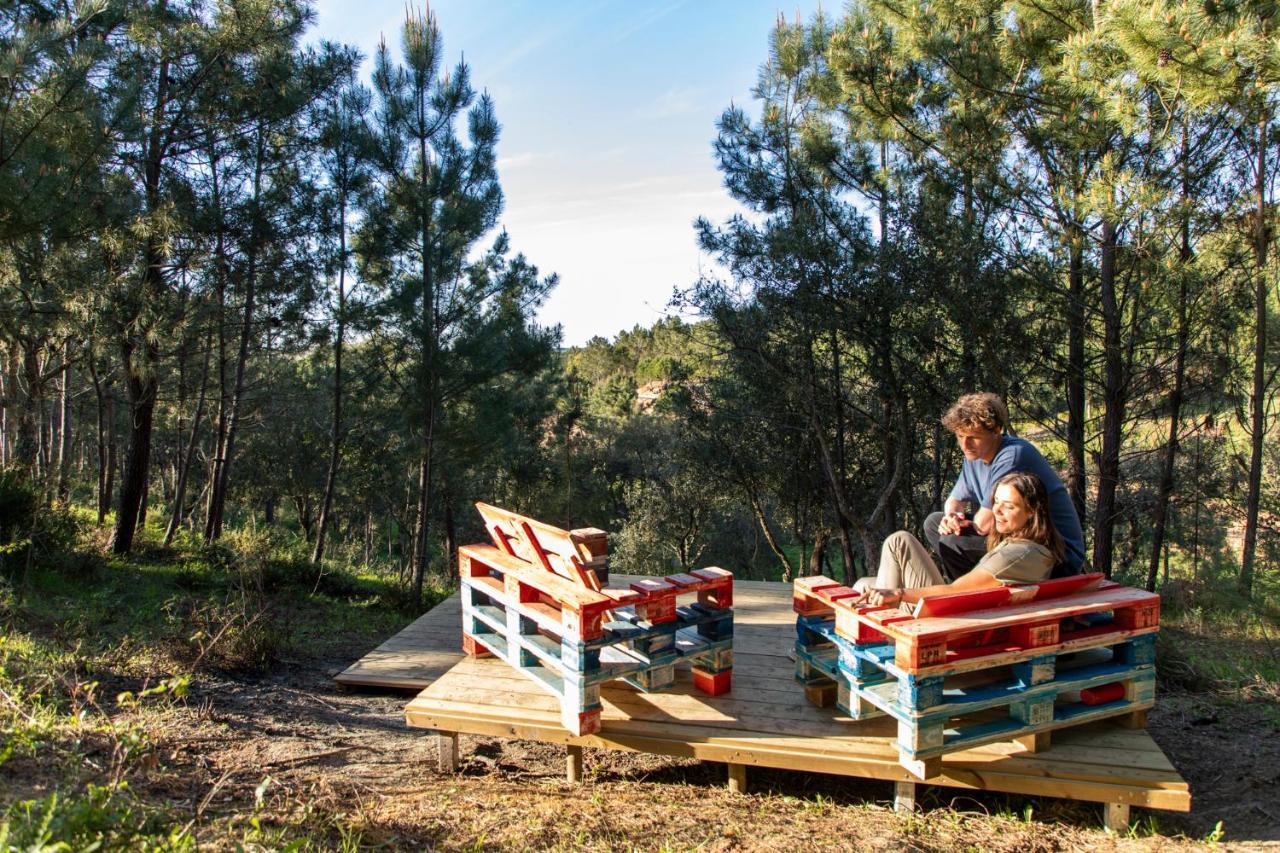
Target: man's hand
{"points": [[953, 523], [884, 597]]}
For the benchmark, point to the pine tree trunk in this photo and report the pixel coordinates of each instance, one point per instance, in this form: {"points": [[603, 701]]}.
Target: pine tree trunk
{"points": [[141, 380], [819, 556], [1257, 396], [335, 431], [104, 497], [224, 401], [28, 444], [143, 499], [1076, 476], [1113, 417], [788, 570], [184, 462], [64, 422], [430, 376], [6, 388], [936, 469], [142, 404], [422, 520], [1167, 464], [450, 532], [218, 499]]}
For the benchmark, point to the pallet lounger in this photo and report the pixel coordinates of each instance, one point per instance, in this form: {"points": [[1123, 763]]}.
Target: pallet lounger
{"points": [[767, 722]]}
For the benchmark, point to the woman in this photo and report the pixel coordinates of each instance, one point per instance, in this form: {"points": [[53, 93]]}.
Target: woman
{"points": [[1023, 547]]}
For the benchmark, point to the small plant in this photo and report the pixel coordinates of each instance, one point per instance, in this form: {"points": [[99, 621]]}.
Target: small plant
{"points": [[104, 817]]}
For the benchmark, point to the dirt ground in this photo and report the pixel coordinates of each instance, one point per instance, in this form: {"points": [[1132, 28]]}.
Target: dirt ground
{"points": [[344, 765]]}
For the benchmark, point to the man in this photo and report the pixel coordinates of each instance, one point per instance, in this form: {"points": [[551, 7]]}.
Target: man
{"points": [[980, 423]]}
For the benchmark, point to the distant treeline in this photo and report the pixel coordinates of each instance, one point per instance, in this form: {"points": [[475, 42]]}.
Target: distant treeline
{"points": [[234, 281]]}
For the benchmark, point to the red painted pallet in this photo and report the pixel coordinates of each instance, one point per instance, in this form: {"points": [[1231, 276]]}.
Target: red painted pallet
{"points": [[581, 611], [535, 599], [941, 631]]}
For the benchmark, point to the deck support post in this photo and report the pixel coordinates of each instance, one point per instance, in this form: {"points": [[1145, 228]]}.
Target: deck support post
{"points": [[904, 796], [737, 778], [447, 752], [1134, 719], [1115, 817], [1036, 741], [573, 764]]}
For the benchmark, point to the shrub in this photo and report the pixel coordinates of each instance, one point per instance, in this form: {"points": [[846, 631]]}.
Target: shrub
{"points": [[18, 505], [29, 528]]}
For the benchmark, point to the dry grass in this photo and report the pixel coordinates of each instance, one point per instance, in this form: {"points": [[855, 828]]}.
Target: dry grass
{"points": [[261, 763]]}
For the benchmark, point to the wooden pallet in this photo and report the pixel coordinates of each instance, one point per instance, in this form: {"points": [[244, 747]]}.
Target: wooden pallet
{"points": [[940, 633], [553, 622], [580, 555], [955, 679], [939, 714]]}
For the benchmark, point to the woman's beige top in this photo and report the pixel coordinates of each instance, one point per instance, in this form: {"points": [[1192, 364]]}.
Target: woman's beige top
{"points": [[1018, 561]]}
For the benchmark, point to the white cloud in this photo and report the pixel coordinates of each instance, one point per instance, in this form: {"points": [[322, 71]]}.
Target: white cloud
{"points": [[645, 20], [518, 161], [676, 101]]}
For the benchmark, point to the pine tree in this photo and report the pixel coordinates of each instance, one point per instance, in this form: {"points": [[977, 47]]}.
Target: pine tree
{"points": [[345, 164], [437, 195]]}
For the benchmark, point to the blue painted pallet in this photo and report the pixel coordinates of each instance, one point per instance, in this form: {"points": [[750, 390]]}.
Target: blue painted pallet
{"points": [[1037, 691], [871, 663], [530, 637]]}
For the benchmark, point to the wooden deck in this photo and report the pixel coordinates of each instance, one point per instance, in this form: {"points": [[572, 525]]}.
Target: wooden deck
{"points": [[765, 721], [417, 656]]}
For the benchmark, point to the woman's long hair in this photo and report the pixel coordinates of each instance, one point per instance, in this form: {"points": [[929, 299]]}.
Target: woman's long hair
{"points": [[1039, 527]]}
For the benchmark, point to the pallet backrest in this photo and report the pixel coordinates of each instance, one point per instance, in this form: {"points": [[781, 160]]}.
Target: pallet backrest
{"points": [[573, 554]]}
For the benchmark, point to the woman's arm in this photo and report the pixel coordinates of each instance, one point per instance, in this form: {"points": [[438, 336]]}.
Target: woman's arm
{"points": [[973, 580]]}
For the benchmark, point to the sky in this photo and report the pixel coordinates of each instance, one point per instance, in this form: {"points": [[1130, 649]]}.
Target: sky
{"points": [[608, 113]]}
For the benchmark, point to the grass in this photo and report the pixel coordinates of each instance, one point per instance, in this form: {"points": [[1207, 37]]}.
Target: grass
{"points": [[115, 675], [98, 653]]}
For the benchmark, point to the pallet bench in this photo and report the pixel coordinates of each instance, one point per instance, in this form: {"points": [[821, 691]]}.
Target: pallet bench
{"points": [[553, 622], [1025, 662]]}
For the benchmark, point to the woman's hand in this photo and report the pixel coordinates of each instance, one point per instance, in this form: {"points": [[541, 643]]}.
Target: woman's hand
{"points": [[953, 523], [884, 597]]}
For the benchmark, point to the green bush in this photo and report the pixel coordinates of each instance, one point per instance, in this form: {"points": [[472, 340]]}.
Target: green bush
{"points": [[31, 528], [18, 505]]}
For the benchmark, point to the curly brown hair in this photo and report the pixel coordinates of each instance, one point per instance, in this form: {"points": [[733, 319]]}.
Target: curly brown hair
{"points": [[1039, 527], [981, 411]]}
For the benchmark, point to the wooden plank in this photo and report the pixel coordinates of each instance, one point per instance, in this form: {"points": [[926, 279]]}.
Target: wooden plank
{"points": [[416, 656], [786, 713], [877, 743], [959, 602], [818, 757], [1004, 617], [557, 586]]}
